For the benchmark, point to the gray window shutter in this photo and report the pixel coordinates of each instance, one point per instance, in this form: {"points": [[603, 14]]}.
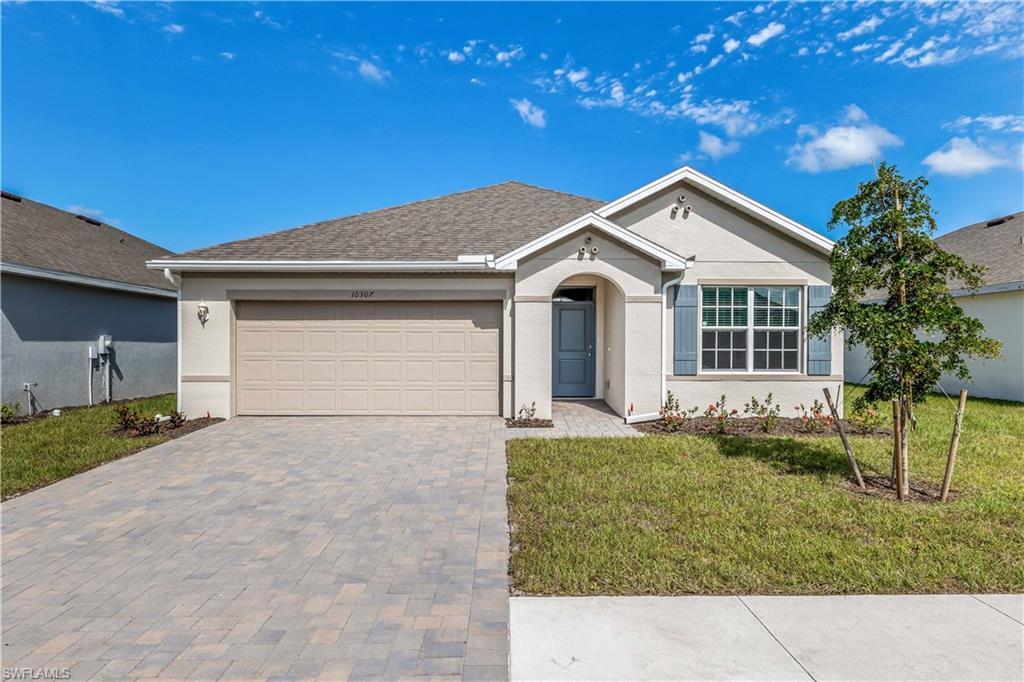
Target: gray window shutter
{"points": [[819, 348], [685, 330]]}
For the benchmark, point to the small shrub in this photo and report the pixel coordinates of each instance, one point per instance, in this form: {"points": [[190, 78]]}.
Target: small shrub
{"points": [[137, 424], [528, 413], [767, 412], [672, 416], [720, 413], [866, 416], [9, 412], [176, 418], [814, 420]]}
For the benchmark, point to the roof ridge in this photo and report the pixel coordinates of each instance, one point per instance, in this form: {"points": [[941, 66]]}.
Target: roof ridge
{"points": [[386, 209]]}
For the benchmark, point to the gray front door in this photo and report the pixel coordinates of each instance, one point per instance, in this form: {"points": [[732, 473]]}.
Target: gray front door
{"points": [[572, 341]]}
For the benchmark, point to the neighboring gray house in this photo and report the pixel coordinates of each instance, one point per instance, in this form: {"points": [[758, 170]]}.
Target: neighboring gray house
{"points": [[998, 245], [65, 281]]}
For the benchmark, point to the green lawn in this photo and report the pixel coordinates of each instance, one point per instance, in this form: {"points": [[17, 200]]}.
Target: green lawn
{"points": [[730, 515], [51, 448]]}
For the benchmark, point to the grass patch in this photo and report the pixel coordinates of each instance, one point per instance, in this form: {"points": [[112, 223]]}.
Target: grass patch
{"points": [[45, 450], [736, 515]]}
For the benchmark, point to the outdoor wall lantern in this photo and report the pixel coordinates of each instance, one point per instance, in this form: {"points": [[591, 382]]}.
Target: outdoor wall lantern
{"points": [[203, 312]]}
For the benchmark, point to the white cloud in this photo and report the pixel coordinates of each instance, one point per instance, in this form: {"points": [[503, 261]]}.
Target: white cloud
{"points": [[229, 56], [731, 44], [577, 76], [173, 29], [715, 147], [477, 81], [1009, 123], [108, 6], [854, 114], [513, 53], [700, 41], [861, 47], [529, 112], [85, 210], [864, 27], [823, 48], [890, 52], [759, 9], [736, 18], [265, 20], [803, 52], [855, 143], [962, 157], [455, 56], [373, 73], [734, 117], [767, 33]]}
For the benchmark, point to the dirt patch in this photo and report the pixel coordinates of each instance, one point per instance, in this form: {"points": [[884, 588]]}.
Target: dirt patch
{"points": [[165, 429], [751, 427], [882, 487], [529, 423]]}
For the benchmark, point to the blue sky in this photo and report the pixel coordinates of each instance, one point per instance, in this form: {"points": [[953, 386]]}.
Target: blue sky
{"points": [[195, 123]]}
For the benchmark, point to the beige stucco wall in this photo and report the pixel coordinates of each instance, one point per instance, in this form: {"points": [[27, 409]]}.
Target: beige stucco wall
{"points": [[629, 357], [207, 351], [1003, 316], [731, 247]]}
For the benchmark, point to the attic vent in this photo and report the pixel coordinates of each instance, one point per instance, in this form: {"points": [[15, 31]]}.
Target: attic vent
{"points": [[87, 219], [12, 197], [999, 221]]}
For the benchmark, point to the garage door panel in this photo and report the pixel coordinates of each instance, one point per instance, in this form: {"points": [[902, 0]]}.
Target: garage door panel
{"points": [[415, 357]]}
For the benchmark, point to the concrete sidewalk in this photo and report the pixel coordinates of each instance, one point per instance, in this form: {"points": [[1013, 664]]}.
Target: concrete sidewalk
{"points": [[914, 637]]}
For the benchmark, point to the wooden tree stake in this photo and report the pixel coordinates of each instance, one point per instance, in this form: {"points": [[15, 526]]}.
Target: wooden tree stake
{"points": [[954, 443], [896, 448], [846, 442]]}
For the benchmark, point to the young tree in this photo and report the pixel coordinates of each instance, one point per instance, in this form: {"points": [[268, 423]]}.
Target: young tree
{"points": [[912, 328]]}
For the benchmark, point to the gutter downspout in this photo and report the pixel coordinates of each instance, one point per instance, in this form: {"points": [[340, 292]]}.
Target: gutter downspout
{"points": [[170, 278]]}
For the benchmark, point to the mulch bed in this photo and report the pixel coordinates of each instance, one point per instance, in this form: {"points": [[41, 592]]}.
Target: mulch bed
{"points": [[751, 428], [882, 487], [165, 429], [529, 423]]}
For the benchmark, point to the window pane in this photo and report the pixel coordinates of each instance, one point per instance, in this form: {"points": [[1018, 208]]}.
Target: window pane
{"points": [[739, 296], [789, 340], [789, 359], [708, 296], [708, 317], [774, 340], [792, 296], [739, 317], [760, 339], [791, 317], [724, 317], [761, 296], [707, 339], [725, 296], [775, 317], [723, 359], [760, 317], [707, 359], [774, 360], [739, 359], [775, 296], [760, 359], [739, 339]]}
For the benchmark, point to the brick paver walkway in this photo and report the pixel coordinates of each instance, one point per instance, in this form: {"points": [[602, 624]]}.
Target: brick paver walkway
{"points": [[288, 547]]}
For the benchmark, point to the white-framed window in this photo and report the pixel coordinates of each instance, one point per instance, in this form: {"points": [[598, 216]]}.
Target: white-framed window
{"points": [[750, 328]]}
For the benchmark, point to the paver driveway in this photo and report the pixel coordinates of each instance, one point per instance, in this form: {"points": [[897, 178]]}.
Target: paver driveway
{"points": [[293, 547]]}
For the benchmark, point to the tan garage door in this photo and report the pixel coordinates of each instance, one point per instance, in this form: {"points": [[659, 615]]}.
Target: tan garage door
{"points": [[421, 357]]}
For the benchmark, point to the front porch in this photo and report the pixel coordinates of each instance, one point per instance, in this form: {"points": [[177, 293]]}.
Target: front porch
{"points": [[582, 419]]}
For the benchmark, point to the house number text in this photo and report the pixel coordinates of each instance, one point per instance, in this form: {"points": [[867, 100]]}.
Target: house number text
{"points": [[363, 293]]}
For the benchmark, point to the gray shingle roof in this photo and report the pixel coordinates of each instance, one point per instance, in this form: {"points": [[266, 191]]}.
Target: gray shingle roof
{"points": [[1000, 248], [489, 220], [42, 236]]}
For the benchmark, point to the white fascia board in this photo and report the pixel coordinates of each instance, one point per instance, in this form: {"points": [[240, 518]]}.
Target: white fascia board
{"points": [[84, 280], [319, 266], [726, 194], [669, 260]]}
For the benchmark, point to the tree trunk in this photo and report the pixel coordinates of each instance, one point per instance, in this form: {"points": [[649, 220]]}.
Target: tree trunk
{"points": [[904, 449], [897, 441]]}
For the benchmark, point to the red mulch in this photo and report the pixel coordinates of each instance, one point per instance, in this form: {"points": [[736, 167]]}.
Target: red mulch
{"points": [[751, 427]]}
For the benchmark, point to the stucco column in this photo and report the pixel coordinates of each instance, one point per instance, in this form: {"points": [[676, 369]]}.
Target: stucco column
{"points": [[532, 354], [643, 354]]}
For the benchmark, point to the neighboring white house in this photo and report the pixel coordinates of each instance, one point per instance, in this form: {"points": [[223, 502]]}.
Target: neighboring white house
{"points": [[482, 301], [999, 246]]}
